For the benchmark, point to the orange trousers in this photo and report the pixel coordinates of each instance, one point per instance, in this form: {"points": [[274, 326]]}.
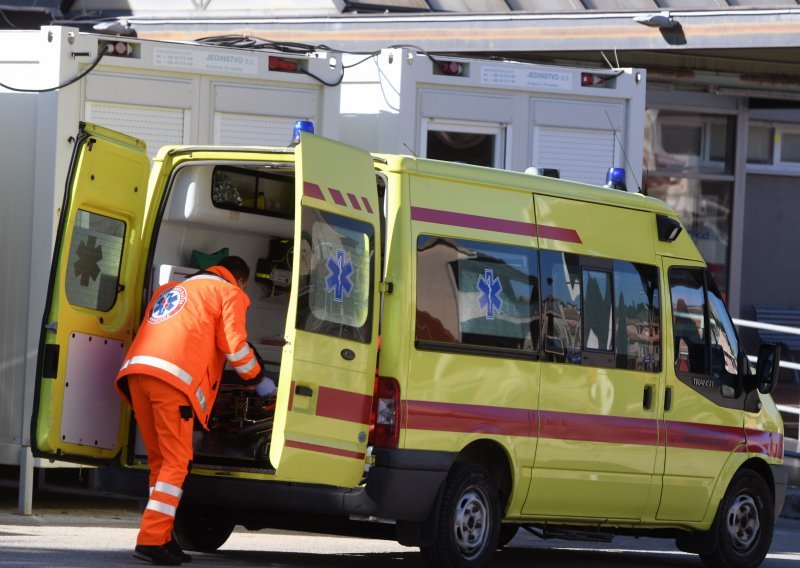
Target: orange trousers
{"points": [[165, 421]]}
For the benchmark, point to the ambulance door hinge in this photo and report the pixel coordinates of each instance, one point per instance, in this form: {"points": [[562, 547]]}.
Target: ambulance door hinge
{"points": [[386, 287], [52, 327]]}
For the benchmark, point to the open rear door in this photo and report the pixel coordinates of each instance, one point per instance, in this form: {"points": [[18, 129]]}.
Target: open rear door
{"points": [[91, 303], [328, 364]]}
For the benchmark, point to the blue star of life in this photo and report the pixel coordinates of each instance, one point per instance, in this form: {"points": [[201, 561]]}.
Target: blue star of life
{"points": [[490, 287], [340, 272], [165, 304]]}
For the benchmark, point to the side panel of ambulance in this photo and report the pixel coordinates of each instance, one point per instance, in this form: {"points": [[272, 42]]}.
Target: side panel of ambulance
{"points": [[321, 424]]}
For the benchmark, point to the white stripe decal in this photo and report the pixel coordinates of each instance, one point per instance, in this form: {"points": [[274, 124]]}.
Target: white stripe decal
{"points": [[169, 489], [160, 507], [207, 277], [247, 367], [202, 398], [160, 364], [233, 357]]}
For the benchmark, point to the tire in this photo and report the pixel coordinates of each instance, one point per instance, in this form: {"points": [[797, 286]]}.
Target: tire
{"points": [[201, 529], [507, 534], [742, 530], [467, 520]]}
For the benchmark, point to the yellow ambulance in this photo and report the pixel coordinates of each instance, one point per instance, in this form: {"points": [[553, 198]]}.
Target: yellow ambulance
{"points": [[461, 352]]}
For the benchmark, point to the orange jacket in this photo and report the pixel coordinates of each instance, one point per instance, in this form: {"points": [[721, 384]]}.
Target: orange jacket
{"points": [[188, 332]]}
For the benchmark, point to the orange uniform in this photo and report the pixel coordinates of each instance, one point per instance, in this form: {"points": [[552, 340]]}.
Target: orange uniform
{"points": [[171, 374]]}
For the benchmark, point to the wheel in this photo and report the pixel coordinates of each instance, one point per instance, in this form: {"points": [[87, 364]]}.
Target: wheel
{"points": [[468, 522], [507, 534], [742, 530], [201, 529]]}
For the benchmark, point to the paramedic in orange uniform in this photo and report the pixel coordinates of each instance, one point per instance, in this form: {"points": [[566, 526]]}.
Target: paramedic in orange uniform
{"points": [[171, 375]]}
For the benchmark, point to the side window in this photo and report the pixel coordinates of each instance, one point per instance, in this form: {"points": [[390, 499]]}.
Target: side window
{"points": [[476, 294], [95, 256], [336, 276], [597, 314], [687, 291], [724, 342], [561, 306], [637, 328], [705, 339], [262, 193]]}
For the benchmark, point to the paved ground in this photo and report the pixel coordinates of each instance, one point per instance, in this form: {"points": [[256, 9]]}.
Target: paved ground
{"points": [[80, 530]]}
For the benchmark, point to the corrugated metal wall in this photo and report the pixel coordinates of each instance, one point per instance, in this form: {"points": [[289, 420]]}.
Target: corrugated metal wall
{"points": [[18, 124]]}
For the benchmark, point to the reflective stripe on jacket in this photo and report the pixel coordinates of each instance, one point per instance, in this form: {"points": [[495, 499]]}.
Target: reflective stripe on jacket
{"points": [[190, 329]]}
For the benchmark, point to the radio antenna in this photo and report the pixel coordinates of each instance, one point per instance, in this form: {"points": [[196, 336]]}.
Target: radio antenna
{"points": [[607, 61], [624, 154]]}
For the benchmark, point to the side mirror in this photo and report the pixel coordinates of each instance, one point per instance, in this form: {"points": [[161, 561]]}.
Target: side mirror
{"points": [[767, 367]]}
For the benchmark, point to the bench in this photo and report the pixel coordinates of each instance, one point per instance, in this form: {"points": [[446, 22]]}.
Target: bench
{"points": [[780, 316]]}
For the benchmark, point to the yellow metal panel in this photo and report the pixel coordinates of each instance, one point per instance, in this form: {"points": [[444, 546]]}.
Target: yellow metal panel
{"points": [[602, 230]]}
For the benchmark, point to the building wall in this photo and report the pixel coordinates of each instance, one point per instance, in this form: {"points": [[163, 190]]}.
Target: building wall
{"points": [[770, 256]]}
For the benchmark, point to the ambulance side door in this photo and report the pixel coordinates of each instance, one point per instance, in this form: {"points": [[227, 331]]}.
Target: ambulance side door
{"points": [[90, 309], [328, 364], [704, 402]]}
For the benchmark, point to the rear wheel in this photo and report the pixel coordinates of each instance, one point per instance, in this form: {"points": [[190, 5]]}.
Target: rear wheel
{"points": [[468, 524], [742, 530], [201, 529]]}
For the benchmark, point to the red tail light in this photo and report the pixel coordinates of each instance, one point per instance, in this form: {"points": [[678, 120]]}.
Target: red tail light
{"points": [[285, 65], [592, 80], [385, 418]]}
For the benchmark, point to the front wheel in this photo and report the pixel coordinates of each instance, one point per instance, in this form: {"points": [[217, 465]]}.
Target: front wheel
{"points": [[742, 530], [468, 524]]}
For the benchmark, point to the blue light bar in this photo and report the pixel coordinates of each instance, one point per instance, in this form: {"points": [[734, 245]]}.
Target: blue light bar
{"points": [[615, 179], [301, 126]]}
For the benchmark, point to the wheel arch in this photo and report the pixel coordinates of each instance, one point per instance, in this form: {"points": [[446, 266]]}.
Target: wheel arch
{"points": [[493, 457], [755, 464]]}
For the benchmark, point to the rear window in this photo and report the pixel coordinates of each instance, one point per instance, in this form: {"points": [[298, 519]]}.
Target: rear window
{"points": [[95, 256], [336, 276]]}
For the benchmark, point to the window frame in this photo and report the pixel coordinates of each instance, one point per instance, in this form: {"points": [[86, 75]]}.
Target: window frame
{"points": [[67, 295], [478, 349], [304, 310], [777, 166], [705, 383]]}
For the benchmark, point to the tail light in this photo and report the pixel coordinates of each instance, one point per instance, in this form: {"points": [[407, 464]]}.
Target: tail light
{"points": [[284, 65], [592, 80], [385, 418]]}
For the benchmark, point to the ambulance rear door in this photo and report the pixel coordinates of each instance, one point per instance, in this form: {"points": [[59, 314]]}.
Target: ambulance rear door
{"points": [[328, 363], [92, 300]]}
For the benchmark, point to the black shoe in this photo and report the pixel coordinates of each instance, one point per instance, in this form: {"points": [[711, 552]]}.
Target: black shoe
{"points": [[159, 555], [175, 549]]}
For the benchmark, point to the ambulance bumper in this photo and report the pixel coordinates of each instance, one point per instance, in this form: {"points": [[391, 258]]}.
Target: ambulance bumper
{"points": [[404, 484]]}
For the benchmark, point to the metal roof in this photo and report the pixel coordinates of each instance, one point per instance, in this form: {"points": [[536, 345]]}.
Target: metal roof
{"points": [[683, 39]]}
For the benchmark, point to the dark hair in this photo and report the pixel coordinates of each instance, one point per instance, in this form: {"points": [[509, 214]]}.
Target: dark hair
{"points": [[237, 266]]}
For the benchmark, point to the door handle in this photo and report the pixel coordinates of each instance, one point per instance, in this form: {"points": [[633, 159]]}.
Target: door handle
{"points": [[668, 399], [348, 354], [647, 401], [301, 390]]}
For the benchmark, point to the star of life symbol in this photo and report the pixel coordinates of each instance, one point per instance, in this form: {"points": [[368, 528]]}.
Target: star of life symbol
{"points": [[340, 272], [168, 303], [490, 287]]}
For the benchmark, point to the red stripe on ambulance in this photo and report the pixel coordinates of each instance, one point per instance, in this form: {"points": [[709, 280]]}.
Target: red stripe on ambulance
{"points": [[344, 405], [468, 419], [493, 224], [313, 190], [324, 450], [445, 417]]}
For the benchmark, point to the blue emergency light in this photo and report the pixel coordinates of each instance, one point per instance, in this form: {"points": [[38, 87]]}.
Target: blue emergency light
{"points": [[615, 179], [301, 126]]}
